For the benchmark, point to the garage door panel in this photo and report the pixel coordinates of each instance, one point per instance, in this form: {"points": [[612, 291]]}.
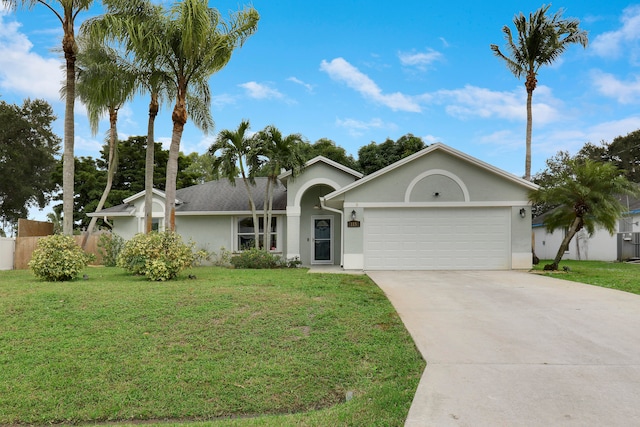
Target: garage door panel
{"points": [[442, 238]]}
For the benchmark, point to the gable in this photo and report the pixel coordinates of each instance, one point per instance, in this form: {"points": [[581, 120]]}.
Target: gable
{"points": [[435, 175]]}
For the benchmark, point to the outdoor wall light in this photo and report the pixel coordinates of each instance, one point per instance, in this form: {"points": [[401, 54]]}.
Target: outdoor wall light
{"points": [[353, 215], [523, 213]]}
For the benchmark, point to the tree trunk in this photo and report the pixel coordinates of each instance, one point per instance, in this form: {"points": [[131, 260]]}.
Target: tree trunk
{"points": [[149, 164], [270, 214], [68, 165], [527, 159], [265, 215], [111, 170], [254, 213], [179, 117], [575, 227]]}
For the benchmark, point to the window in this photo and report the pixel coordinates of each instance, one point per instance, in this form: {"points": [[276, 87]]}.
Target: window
{"points": [[246, 237]]}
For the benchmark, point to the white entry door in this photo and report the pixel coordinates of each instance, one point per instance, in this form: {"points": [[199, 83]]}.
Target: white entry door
{"points": [[322, 240]]}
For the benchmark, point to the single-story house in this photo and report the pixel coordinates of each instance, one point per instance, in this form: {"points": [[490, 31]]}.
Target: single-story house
{"points": [[436, 209], [602, 246]]}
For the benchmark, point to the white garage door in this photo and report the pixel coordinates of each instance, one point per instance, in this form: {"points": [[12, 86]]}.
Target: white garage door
{"points": [[437, 239]]}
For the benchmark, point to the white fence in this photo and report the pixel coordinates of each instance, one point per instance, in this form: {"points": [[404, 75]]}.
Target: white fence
{"points": [[7, 251]]}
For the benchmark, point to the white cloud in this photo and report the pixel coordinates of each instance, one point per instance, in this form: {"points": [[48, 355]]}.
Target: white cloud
{"points": [[420, 60], [222, 100], [621, 42], [340, 70], [261, 91], [23, 71], [357, 128], [431, 139], [625, 92], [307, 86], [473, 101]]}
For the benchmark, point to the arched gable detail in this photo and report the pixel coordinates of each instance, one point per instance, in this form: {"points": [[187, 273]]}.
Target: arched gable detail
{"points": [[452, 176]]}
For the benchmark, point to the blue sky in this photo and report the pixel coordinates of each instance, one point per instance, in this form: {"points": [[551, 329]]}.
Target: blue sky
{"points": [[361, 71]]}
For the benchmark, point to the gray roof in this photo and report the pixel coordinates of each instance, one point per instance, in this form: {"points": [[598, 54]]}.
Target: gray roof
{"points": [[223, 196], [215, 196]]}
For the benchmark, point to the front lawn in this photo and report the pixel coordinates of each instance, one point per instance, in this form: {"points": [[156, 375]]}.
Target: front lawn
{"points": [[614, 275], [228, 344]]}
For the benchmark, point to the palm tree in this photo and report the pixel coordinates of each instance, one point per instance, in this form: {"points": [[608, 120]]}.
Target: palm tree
{"points": [[541, 40], [128, 23], [238, 156], [193, 43], [104, 85], [55, 217], [67, 12], [278, 153], [586, 195]]}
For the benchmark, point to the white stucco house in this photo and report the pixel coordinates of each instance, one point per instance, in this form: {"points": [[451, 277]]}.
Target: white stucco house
{"points": [[436, 209], [602, 246]]}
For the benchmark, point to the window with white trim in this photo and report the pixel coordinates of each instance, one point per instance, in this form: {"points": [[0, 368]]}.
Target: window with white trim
{"points": [[245, 237]]}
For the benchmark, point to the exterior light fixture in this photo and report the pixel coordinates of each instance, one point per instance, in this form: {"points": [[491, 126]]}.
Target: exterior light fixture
{"points": [[523, 213], [353, 215]]}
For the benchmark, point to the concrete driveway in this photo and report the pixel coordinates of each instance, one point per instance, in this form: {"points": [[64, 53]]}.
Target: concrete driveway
{"points": [[510, 348]]}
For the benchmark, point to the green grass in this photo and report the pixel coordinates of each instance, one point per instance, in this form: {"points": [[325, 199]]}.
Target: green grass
{"points": [[614, 275], [234, 347]]}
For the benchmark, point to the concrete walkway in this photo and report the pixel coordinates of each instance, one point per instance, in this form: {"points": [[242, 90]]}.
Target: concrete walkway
{"points": [[518, 349]]}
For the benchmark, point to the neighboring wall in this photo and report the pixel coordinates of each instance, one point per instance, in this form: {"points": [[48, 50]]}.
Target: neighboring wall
{"points": [[599, 247], [7, 248]]}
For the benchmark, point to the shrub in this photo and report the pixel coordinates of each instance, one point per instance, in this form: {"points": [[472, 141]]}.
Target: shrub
{"points": [[109, 247], [258, 258], [158, 256], [222, 258], [58, 258]]}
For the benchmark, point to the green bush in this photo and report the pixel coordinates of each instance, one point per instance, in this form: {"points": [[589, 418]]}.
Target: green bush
{"points": [[58, 258], [222, 258], [259, 258], [158, 256], [109, 247]]}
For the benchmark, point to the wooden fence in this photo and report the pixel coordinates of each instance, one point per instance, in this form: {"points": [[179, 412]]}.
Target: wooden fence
{"points": [[26, 245]]}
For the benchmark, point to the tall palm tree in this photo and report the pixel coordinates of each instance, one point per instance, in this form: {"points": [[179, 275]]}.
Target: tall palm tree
{"points": [[66, 11], [104, 85], [238, 155], [541, 40], [586, 193], [278, 153], [128, 23], [193, 43]]}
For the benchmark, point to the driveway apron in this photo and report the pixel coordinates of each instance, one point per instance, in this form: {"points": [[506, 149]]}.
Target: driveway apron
{"points": [[507, 348]]}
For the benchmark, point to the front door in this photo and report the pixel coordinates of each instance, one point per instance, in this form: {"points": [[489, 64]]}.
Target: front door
{"points": [[322, 241]]}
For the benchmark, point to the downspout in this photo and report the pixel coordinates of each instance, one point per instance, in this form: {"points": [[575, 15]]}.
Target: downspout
{"points": [[323, 206]]}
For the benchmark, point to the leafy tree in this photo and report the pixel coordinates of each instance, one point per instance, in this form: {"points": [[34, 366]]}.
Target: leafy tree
{"points": [[585, 193], [238, 155], [327, 148], [278, 153], [373, 157], [192, 43], [201, 167], [66, 11], [624, 152], [28, 148], [541, 40], [104, 85]]}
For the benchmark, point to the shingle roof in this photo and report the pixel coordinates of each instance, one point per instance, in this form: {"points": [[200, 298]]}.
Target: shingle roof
{"points": [[214, 196], [223, 196]]}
